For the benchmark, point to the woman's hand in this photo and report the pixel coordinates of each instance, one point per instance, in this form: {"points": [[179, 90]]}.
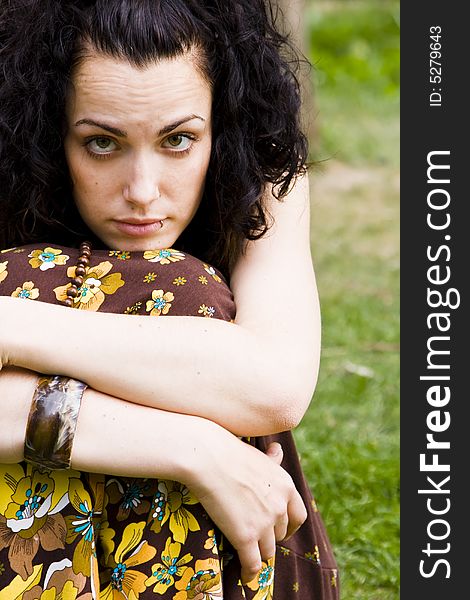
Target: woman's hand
{"points": [[250, 498]]}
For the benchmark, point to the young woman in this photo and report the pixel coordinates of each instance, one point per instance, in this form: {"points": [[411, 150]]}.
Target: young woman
{"points": [[142, 125]]}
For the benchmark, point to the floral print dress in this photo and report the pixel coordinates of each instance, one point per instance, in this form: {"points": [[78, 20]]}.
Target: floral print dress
{"points": [[70, 535]]}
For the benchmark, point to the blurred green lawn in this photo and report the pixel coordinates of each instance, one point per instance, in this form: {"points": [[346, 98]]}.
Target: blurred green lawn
{"points": [[349, 438], [354, 49]]}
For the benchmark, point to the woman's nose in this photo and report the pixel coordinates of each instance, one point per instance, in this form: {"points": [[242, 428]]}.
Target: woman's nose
{"points": [[141, 187]]}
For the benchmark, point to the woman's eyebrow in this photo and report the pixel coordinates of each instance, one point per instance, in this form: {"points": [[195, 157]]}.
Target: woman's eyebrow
{"points": [[106, 127], [120, 133], [179, 122]]}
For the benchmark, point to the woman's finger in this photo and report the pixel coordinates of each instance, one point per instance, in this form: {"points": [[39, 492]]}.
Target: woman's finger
{"points": [[297, 514], [281, 527], [267, 546], [275, 452], [250, 561]]}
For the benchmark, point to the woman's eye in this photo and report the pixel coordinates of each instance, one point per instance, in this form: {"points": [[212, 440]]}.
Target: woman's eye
{"points": [[178, 142], [101, 145]]}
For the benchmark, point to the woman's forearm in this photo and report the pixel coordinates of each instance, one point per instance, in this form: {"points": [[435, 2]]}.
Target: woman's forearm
{"points": [[215, 369], [254, 502], [112, 436], [116, 437]]}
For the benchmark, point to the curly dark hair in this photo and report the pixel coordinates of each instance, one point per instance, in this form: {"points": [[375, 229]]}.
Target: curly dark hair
{"points": [[256, 133]]}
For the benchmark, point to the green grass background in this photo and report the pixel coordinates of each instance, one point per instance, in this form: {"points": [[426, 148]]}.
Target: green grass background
{"points": [[349, 438]]}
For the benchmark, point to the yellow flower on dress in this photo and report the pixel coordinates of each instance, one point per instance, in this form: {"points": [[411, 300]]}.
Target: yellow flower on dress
{"points": [[211, 542], [160, 303], [85, 522], [62, 584], [207, 311], [120, 254], [132, 495], [30, 513], [150, 277], [295, 587], [67, 592], [127, 582], [179, 281], [212, 273], [47, 258], [28, 291], [14, 250], [313, 556], [263, 582], [3, 271], [134, 309], [202, 279], [18, 587], [164, 573], [164, 256], [97, 283], [170, 504], [334, 578], [201, 583]]}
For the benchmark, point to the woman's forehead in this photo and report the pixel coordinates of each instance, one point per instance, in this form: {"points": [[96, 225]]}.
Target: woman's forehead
{"points": [[104, 85]]}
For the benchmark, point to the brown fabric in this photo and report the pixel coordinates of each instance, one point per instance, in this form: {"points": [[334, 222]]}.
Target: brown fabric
{"points": [[126, 281], [156, 284]]}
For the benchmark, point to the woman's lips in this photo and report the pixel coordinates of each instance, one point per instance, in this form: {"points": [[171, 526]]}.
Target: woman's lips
{"points": [[139, 228]]}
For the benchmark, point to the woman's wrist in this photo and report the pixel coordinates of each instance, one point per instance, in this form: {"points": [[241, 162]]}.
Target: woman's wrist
{"points": [[120, 438], [16, 392], [204, 442], [27, 340], [6, 318], [24, 333]]}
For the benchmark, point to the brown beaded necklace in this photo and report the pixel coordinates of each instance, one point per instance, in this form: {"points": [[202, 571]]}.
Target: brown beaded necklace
{"points": [[80, 270]]}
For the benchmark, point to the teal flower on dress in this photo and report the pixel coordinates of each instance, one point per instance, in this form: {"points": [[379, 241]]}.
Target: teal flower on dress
{"points": [[125, 580], [165, 256], [27, 292], [132, 495], [160, 303], [263, 583], [47, 259], [164, 573]]}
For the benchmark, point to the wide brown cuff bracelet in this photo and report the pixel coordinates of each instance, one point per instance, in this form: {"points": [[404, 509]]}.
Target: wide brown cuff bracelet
{"points": [[52, 422]]}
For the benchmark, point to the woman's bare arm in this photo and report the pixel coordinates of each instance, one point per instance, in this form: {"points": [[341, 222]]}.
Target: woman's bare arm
{"points": [[254, 502], [253, 377]]}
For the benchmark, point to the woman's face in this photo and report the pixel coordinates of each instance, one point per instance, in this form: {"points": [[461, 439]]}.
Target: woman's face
{"points": [[138, 145]]}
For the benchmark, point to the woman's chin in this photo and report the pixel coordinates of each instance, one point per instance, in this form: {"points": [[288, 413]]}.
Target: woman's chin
{"points": [[139, 241]]}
